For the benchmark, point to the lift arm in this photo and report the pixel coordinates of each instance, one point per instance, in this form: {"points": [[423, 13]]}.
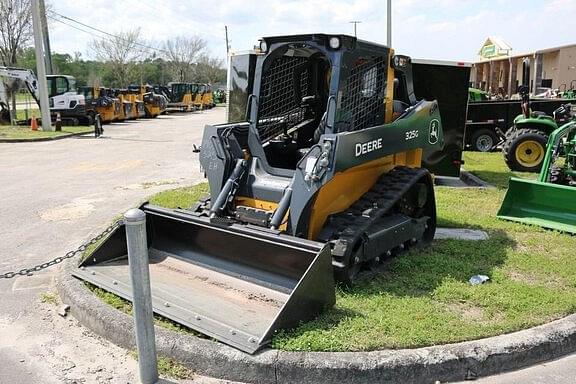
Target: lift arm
{"points": [[25, 75]]}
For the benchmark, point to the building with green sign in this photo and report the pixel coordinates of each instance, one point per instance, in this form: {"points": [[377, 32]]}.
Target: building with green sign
{"points": [[494, 47], [498, 71]]}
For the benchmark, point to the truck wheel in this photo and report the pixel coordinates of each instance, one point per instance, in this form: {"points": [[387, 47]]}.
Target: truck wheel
{"points": [[484, 140], [525, 149]]}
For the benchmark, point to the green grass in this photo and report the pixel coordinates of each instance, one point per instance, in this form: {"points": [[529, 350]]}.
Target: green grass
{"points": [[491, 168], [13, 133], [49, 298], [22, 114], [423, 297], [170, 368], [184, 197], [125, 306]]}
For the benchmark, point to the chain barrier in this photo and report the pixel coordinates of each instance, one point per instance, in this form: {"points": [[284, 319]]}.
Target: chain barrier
{"points": [[59, 259]]}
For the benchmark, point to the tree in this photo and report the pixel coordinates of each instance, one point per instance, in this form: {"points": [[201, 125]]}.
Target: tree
{"points": [[15, 29], [120, 54], [15, 33], [181, 54], [209, 70]]}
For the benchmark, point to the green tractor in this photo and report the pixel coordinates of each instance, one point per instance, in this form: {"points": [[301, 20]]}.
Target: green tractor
{"points": [[525, 142], [565, 93], [548, 201], [475, 94]]}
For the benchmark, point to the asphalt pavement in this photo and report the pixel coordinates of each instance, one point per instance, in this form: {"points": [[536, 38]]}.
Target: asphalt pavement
{"points": [[54, 196]]}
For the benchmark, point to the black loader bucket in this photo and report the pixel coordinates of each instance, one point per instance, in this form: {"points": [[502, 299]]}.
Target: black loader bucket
{"points": [[237, 284]]}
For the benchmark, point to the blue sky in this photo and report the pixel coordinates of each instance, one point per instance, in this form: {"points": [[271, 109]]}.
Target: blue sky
{"points": [[433, 29]]}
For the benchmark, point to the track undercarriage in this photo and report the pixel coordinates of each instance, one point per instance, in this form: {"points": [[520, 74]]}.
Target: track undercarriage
{"points": [[398, 212]]}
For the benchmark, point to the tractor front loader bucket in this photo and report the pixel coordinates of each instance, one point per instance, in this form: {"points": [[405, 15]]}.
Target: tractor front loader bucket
{"points": [[237, 284], [544, 204]]}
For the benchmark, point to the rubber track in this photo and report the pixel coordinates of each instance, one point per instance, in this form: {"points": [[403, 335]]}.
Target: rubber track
{"points": [[350, 225]]}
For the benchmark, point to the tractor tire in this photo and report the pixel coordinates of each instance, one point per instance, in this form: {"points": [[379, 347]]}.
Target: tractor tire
{"points": [[509, 133], [557, 176], [484, 140], [524, 150]]}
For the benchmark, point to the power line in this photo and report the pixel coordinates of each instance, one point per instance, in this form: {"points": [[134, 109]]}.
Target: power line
{"points": [[104, 32], [177, 18], [81, 30], [77, 28]]}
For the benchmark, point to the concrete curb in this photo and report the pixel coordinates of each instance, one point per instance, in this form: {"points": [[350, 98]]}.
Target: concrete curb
{"points": [[452, 362], [36, 139]]}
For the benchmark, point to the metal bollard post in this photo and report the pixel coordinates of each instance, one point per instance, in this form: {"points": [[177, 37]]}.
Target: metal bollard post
{"points": [[135, 220]]}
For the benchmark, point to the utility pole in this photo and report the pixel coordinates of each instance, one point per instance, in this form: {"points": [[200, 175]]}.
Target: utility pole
{"points": [[389, 23], [40, 67], [46, 35], [227, 44], [355, 22]]}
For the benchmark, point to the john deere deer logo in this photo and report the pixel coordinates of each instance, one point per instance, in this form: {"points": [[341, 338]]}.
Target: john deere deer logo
{"points": [[433, 131]]}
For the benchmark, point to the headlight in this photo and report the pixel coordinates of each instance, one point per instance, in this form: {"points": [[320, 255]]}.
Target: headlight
{"points": [[263, 46], [334, 42]]}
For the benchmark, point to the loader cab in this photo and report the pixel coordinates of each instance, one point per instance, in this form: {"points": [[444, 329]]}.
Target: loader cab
{"points": [[309, 85], [178, 91], [59, 85], [90, 93]]}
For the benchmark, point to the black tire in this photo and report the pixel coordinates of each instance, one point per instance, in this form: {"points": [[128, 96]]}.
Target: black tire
{"points": [[524, 150], [484, 140], [557, 176]]}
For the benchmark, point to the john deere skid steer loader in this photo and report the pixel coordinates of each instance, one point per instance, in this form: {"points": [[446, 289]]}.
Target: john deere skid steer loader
{"points": [[322, 180]]}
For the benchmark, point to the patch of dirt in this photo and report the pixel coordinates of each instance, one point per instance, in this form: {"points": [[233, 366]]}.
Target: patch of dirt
{"points": [[467, 312], [249, 295], [64, 352], [474, 314], [78, 208], [531, 279], [151, 184], [107, 167]]}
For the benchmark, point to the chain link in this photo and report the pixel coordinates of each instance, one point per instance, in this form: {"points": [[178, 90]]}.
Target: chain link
{"points": [[59, 259]]}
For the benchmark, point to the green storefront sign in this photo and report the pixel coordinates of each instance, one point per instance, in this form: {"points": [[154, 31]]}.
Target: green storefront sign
{"points": [[489, 50]]}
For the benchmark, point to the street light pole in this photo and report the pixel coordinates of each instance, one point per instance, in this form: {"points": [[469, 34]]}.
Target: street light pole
{"points": [[355, 22], [227, 43], [46, 37], [41, 68], [389, 23]]}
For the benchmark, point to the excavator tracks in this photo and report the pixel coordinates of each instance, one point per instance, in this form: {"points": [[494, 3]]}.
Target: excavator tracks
{"points": [[398, 211]]}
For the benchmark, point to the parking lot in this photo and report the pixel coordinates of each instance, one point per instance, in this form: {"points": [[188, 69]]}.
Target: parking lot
{"points": [[58, 194]]}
